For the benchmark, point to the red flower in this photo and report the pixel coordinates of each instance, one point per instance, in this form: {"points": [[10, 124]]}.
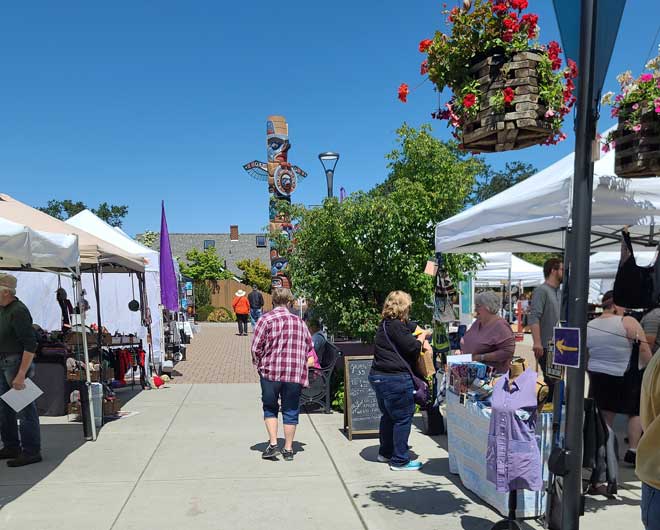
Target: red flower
{"points": [[530, 19], [499, 9], [507, 36], [556, 63], [511, 23], [519, 4], [553, 54], [403, 92], [425, 45], [424, 69], [452, 14], [508, 94], [572, 69], [469, 100]]}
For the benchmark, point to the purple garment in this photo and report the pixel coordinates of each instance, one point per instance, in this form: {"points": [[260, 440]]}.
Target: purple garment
{"points": [[169, 293], [513, 458]]}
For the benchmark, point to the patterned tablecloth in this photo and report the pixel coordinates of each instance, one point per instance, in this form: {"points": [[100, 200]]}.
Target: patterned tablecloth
{"points": [[467, 435]]}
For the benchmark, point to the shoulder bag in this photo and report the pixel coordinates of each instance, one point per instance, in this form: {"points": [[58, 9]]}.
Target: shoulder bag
{"points": [[421, 393]]}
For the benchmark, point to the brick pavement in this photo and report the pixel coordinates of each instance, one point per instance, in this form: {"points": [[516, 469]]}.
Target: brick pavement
{"points": [[217, 355]]}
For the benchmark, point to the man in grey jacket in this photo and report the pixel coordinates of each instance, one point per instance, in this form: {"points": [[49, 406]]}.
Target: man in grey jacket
{"points": [[545, 309]]}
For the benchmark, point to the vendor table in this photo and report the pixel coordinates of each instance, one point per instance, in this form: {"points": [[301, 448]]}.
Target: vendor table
{"points": [[467, 435]]}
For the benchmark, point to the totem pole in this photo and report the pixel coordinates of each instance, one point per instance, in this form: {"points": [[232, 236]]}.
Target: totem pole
{"points": [[282, 180]]}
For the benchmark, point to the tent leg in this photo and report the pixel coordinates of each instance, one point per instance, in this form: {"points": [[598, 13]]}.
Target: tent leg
{"points": [[88, 378]]}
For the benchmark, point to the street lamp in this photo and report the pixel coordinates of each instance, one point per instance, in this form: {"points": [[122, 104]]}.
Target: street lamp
{"points": [[329, 161]]}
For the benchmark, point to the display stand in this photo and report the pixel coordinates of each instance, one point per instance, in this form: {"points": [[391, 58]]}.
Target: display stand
{"points": [[510, 522]]}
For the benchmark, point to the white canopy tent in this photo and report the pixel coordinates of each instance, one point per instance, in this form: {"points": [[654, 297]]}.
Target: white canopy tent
{"points": [[25, 249], [503, 266], [533, 216]]}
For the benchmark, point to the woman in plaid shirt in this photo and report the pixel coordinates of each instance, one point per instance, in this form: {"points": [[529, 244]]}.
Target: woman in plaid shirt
{"points": [[279, 351]]}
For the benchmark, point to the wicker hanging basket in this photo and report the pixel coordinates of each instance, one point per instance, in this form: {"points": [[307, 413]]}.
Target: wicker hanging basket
{"points": [[522, 123], [637, 153]]}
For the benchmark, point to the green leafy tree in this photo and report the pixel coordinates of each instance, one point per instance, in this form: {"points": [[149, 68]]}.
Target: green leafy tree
{"points": [[148, 238], [205, 265], [111, 214], [539, 258], [255, 272], [202, 293], [348, 256], [492, 182]]}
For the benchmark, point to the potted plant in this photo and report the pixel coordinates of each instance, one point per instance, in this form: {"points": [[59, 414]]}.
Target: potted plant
{"points": [[636, 140], [509, 91]]}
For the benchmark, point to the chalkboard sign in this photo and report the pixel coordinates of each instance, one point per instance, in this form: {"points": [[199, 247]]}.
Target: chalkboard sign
{"points": [[361, 412]]}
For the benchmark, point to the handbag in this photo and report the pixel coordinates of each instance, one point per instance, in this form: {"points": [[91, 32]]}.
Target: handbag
{"points": [[635, 286], [421, 392]]}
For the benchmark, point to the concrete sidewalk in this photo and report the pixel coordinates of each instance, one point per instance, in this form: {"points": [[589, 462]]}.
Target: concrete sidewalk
{"points": [[191, 460]]}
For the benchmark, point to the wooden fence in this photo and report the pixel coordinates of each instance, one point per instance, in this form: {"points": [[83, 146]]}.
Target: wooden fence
{"points": [[223, 291]]}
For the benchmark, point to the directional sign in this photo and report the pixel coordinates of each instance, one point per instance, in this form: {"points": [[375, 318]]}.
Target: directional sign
{"points": [[567, 347]]}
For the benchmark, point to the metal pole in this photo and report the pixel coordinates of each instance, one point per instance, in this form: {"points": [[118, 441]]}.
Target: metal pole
{"points": [[329, 175], [578, 261], [88, 376], [510, 299]]}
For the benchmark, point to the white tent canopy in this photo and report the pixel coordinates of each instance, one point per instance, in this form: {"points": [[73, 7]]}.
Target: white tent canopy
{"points": [[603, 265], [533, 216], [502, 266], [22, 247]]}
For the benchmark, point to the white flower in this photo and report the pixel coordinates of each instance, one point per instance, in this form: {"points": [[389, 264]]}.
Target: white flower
{"points": [[607, 98]]}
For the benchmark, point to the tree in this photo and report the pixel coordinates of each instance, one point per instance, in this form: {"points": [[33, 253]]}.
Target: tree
{"points": [[148, 238], [111, 214], [255, 272], [493, 182], [205, 265], [348, 256]]}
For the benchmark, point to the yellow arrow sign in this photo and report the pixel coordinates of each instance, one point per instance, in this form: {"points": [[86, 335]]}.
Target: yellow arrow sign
{"points": [[564, 348]]}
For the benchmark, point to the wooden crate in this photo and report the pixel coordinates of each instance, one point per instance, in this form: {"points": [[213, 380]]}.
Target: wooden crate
{"points": [[523, 123], [80, 376], [637, 154]]}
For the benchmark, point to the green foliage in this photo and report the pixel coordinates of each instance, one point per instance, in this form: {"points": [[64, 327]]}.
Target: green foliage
{"points": [[111, 214], [203, 312], [202, 294], [205, 265], [337, 391], [493, 182], [221, 314], [350, 255], [148, 238], [255, 272], [539, 258]]}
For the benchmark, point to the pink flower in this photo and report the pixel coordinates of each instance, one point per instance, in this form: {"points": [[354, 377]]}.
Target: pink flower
{"points": [[637, 128], [606, 148], [549, 113], [635, 106], [615, 112], [646, 78], [656, 103]]}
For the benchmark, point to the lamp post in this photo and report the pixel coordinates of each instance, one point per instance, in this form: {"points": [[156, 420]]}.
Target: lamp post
{"points": [[329, 161]]}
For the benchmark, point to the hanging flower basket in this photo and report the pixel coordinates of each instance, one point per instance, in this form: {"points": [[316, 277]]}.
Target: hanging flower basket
{"points": [[637, 137], [509, 92]]}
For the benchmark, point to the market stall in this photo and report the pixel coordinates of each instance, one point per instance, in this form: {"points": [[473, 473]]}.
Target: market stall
{"points": [[505, 267]]}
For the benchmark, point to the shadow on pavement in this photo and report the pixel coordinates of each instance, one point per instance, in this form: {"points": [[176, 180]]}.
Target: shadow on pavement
{"points": [[424, 499], [58, 442], [370, 454], [298, 447]]}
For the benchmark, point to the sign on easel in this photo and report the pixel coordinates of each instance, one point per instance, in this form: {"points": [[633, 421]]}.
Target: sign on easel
{"points": [[361, 412]]}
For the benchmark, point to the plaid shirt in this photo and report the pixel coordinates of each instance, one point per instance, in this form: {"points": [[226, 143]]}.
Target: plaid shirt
{"points": [[280, 346]]}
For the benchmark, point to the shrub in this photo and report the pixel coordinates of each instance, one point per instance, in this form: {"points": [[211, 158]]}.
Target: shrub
{"points": [[203, 312], [221, 314]]}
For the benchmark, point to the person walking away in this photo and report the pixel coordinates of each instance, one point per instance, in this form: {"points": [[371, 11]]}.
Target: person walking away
{"points": [[490, 339], [18, 343], [318, 338], [279, 352], [544, 313], [256, 300], [396, 350], [648, 455], [615, 381], [241, 307]]}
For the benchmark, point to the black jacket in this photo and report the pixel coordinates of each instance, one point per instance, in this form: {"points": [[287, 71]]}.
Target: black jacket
{"points": [[386, 361], [256, 300]]}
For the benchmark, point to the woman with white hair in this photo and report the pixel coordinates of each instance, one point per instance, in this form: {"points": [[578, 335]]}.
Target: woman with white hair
{"points": [[490, 339]]}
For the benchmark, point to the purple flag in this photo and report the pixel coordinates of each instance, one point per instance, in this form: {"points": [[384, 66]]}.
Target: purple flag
{"points": [[169, 292]]}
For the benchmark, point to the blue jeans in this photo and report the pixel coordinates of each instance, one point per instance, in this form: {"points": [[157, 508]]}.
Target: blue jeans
{"points": [[30, 439], [650, 507], [255, 315], [287, 393], [394, 393]]}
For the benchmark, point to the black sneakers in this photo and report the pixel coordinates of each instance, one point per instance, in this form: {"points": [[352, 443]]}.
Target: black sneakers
{"points": [[24, 459], [8, 453], [271, 452], [287, 455]]}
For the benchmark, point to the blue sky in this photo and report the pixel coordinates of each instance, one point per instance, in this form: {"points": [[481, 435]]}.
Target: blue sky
{"points": [[136, 101]]}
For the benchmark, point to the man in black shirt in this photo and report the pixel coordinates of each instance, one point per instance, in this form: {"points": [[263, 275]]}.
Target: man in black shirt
{"points": [[18, 343], [256, 305]]}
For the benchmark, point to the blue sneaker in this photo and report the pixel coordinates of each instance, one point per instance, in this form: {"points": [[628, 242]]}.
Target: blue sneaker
{"points": [[413, 465]]}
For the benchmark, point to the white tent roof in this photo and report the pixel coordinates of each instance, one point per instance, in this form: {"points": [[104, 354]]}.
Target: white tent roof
{"points": [[498, 264], [92, 224], [534, 214], [20, 247], [603, 265]]}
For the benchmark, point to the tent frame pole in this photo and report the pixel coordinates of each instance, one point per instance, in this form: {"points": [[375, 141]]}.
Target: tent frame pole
{"points": [[577, 258], [88, 376]]}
